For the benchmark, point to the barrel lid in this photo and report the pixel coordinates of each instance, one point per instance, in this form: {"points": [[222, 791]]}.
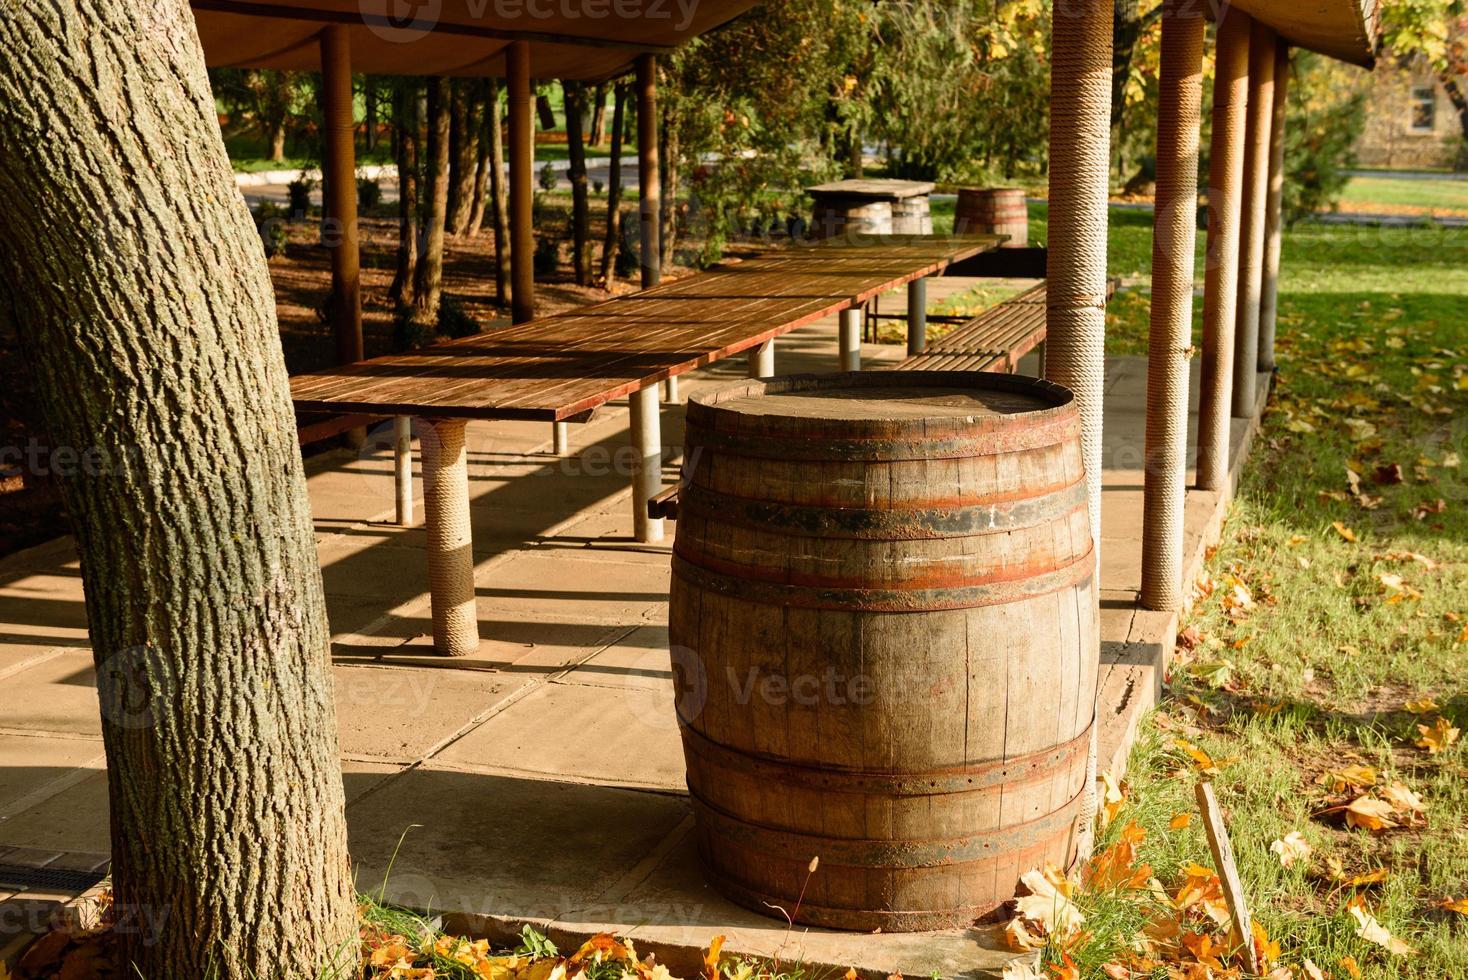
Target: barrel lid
{"points": [[920, 406]]}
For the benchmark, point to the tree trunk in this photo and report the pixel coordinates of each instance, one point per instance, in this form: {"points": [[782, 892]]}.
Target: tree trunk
{"points": [[133, 275], [481, 158], [1128, 24], [545, 112], [599, 115], [574, 95], [369, 101], [668, 183], [429, 279], [464, 153], [614, 189], [406, 128], [1459, 99], [277, 142], [499, 204]]}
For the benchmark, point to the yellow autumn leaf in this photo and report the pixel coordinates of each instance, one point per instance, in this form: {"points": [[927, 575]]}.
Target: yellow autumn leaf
{"points": [[1049, 903], [1369, 929], [1459, 905], [1422, 706], [1348, 963], [1291, 848], [1437, 737], [1370, 813], [1180, 821], [1344, 531]]}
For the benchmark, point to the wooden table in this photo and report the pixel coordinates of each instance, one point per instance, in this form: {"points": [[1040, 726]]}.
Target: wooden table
{"points": [[560, 368]]}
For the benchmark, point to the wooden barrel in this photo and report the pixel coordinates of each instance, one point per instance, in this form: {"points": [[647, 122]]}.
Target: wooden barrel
{"points": [[912, 216], [883, 626], [993, 211], [835, 215]]}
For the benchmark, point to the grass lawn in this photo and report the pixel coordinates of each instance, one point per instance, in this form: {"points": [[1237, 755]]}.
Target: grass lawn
{"points": [[1330, 625], [1388, 195]]}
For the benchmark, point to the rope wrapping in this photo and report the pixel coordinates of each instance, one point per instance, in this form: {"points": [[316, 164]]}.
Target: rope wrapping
{"points": [[1075, 310], [1269, 293], [450, 546], [1221, 280], [1253, 212], [1174, 235]]}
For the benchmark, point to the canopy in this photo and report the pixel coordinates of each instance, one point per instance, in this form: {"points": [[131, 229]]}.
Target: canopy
{"points": [[1342, 29], [586, 40]]}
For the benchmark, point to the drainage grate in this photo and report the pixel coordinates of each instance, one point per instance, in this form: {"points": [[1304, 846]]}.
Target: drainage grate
{"points": [[16, 877]]}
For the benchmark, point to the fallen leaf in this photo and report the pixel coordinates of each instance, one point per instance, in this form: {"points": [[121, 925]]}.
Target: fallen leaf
{"points": [[1459, 905], [1066, 969], [1369, 929], [1048, 902], [1422, 706], [1019, 938], [1403, 800], [1180, 821], [1291, 848], [1373, 877], [1190, 638], [1020, 970], [1361, 777], [1313, 972], [1370, 813], [1344, 531], [1437, 737], [1349, 964]]}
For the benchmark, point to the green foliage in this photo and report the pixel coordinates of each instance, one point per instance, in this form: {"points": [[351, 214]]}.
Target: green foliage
{"points": [[369, 193], [299, 192], [547, 253], [454, 320], [534, 944], [547, 177], [1326, 116], [270, 223]]}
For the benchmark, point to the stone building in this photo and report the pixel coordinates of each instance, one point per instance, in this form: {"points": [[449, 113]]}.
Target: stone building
{"points": [[1410, 122]]}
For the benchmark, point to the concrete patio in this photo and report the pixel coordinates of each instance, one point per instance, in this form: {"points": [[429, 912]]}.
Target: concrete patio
{"points": [[540, 780]]}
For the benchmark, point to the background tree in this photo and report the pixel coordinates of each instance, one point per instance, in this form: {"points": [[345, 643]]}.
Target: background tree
{"points": [[407, 127], [1325, 117], [613, 239], [428, 277], [268, 99], [465, 124], [1433, 33], [134, 277], [574, 98]]}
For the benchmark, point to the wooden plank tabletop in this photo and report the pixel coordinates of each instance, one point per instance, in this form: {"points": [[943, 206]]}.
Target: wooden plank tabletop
{"points": [[560, 366]]}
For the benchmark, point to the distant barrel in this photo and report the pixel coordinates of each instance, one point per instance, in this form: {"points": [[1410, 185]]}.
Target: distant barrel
{"points": [[884, 631], [993, 211]]}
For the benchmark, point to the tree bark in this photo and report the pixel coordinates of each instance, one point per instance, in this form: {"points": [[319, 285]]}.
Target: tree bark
{"points": [[277, 142], [464, 154], [668, 182], [134, 278], [544, 110], [498, 201], [406, 127], [481, 159], [369, 103], [574, 95], [428, 281], [1459, 98], [599, 115], [613, 240]]}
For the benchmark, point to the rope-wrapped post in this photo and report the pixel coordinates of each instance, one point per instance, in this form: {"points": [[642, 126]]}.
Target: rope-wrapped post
{"points": [[917, 316], [1269, 293], [338, 130], [450, 540], [848, 339], [522, 195], [1075, 315], [1174, 234], [647, 462], [649, 187], [762, 360], [1253, 210], [1221, 280], [402, 452]]}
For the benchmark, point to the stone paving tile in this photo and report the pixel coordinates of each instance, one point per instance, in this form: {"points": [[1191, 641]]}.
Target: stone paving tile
{"points": [[44, 608], [638, 660], [31, 767], [567, 587], [401, 715], [58, 694], [489, 844], [16, 655], [360, 777], [624, 736], [72, 820]]}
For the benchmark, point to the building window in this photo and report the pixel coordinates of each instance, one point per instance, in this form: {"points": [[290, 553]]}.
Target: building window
{"points": [[1424, 109]]}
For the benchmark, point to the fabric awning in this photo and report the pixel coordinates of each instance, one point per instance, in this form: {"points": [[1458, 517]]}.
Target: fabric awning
{"points": [[587, 40]]}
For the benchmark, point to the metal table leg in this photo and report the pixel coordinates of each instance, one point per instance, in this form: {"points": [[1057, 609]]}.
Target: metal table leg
{"points": [[762, 360], [917, 316], [402, 444], [849, 336]]}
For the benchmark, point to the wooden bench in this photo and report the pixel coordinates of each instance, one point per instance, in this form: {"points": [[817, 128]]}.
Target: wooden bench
{"points": [[562, 368], [995, 340]]}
